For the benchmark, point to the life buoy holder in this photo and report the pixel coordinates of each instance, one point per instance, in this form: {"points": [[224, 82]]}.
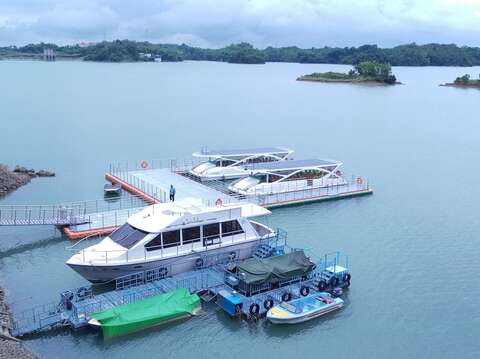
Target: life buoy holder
{"points": [[268, 304], [254, 309], [359, 180], [218, 202], [144, 164], [286, 297], [304, 291]]}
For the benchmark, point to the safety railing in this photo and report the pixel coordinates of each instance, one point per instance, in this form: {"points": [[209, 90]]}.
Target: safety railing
{"points": [[157, 252], [175, 165], [146, 187], [294, 191], [65, 213], [35, 318]]}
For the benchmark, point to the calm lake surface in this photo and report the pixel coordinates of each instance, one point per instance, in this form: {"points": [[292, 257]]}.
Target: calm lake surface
{"points": [[414, 245]]}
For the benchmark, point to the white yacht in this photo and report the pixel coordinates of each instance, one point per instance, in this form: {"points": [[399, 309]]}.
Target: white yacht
{"points": [[173, 237], [229, 164], [286, 176]]}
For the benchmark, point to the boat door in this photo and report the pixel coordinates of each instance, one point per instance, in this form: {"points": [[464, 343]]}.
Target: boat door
{"points": [[211, 234]]}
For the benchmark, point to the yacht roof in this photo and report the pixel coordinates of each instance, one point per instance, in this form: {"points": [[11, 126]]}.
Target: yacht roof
{"points": [[242, 152], [157, 217], [291, 165]]}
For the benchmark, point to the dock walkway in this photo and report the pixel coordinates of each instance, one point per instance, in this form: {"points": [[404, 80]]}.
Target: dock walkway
{"points": [[162, 178], [156, 183], [147, 185], [76, 306]]}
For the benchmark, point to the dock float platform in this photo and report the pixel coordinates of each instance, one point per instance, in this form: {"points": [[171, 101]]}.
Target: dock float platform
{"points": [[145, 185], [155, 183], [153, 186], [76, 305]]}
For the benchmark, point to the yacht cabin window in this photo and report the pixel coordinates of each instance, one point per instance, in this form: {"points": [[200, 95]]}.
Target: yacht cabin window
{"points": [[211, 235], [230, 228], [190, 235], [154, 244], [127, 236], [306, 175], [171, 238], [211, 230], [224, 163], [261, 159]]}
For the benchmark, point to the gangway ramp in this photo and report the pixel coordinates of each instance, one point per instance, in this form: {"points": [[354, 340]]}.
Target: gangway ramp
{"points": [[76, 219]]}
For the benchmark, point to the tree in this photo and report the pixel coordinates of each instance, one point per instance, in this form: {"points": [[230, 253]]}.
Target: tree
{"points": [[465, 79], [376, 71]]}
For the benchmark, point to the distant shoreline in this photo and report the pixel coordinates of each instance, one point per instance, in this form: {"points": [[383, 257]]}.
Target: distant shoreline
{"points": [[433, 54]]}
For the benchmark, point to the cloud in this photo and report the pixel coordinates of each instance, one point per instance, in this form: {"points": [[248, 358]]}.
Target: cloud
{"points": [[215, 23]]}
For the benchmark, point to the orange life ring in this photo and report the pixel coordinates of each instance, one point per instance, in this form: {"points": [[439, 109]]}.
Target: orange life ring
{"points": [[359, 180], [218, 202], [144, 164]]}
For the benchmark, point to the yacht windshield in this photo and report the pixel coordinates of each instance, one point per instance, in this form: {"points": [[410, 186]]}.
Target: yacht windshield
{"points": [[127, 236], [248, 182], [202, 167]]}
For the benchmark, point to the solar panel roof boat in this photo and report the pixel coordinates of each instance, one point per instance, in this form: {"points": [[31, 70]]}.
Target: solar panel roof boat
{"points": [[229, 164], [173, 236], [286, 176]]}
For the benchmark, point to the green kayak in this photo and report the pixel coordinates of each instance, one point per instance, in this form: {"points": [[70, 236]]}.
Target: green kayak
{"points": [[142, 314]]}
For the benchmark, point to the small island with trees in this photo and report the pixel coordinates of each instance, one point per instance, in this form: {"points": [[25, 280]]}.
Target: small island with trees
{"points": [[366, 72], [464, 81]]}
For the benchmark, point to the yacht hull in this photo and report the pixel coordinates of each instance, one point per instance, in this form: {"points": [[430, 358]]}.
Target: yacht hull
{"points": [[104, 273]]}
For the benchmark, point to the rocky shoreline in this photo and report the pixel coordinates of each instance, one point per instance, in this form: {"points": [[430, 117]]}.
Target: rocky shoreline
{"points": [[11, 180], [10, 347]]}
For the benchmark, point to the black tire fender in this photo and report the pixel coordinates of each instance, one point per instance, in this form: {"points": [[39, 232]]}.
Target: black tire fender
{"points": [[305, 290], [286, 297], [268, 303], [254, 308]]}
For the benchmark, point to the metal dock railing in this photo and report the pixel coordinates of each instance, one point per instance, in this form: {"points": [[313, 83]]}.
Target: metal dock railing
{"points": [[141, 175], [73, 213]]}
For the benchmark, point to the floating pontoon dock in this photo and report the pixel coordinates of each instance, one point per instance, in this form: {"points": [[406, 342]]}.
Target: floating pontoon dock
{"points": [[151, 179], [76, 306], [149, 182]]}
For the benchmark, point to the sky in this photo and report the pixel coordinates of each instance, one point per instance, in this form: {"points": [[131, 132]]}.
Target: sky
{"points": [[216, 23]]}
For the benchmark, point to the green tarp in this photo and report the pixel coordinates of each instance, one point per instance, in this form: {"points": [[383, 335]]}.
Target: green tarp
{"points": [[273, 269], [128, 318]]}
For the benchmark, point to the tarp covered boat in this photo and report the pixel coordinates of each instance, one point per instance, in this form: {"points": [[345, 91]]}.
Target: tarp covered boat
{"points": [[142, 314], [274, 269]]}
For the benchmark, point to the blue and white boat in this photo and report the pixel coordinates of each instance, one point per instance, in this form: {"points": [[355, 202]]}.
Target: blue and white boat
{"points": [[304, 308]]}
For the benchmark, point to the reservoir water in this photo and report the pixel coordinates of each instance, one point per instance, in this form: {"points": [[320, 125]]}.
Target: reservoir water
{"points": [[414, 245]]}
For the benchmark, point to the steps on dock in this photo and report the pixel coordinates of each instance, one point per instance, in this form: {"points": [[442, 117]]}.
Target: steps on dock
{"points": [[263, 251]]}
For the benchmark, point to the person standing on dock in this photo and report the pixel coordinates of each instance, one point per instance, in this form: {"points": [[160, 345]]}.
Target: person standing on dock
{"points": [[172, 193]]}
